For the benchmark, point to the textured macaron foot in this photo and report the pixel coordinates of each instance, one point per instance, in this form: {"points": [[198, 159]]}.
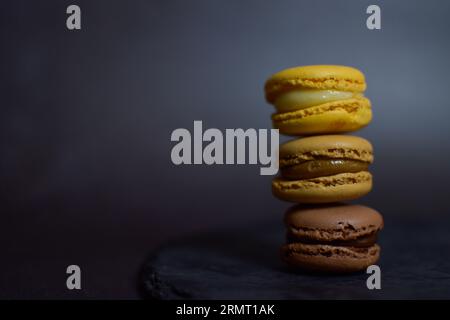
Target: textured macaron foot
{"points": [[332, 259], [340, 187], [318, 99], [318, 77], [332, 117], [335, 238]]}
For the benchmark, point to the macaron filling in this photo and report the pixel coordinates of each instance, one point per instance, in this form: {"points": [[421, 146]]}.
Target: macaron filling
{"points": [[322, 168], [305, 98], [364, 241]]}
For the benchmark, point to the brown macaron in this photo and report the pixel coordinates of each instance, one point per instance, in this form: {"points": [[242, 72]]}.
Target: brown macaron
{"points": [[323, 169], [337, 238]]}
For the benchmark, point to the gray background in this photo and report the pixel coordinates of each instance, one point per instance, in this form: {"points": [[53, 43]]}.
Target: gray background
{"points": [[86, 118]]}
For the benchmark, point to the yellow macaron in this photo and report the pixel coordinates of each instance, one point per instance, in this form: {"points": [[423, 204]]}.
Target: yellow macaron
{"points": [[322, 169], [318, 99]]}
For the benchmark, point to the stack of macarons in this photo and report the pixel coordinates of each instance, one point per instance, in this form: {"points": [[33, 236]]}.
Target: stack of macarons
{"points": [[324, 167]]}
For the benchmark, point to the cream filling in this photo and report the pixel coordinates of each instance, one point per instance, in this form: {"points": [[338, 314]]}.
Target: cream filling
{"points": [[302, 99]]}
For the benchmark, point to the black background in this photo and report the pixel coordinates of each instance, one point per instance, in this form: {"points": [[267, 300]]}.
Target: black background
{"points": [[86, 118]]}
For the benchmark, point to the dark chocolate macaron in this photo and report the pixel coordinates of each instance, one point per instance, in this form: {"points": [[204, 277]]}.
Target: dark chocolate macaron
{"points": [[332, 238]]}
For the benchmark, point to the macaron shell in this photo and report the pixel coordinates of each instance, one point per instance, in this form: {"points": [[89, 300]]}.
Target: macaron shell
{"points": [[330, 146], [332, 117], [316, 77], [340, 187], [332, 259], [335, 222]]}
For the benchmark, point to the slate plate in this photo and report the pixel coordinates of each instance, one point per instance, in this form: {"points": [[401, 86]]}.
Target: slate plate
{"points": [[243, 263]]}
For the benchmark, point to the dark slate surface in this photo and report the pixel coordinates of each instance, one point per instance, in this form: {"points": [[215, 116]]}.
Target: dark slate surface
{"points": [[243, 263]]}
